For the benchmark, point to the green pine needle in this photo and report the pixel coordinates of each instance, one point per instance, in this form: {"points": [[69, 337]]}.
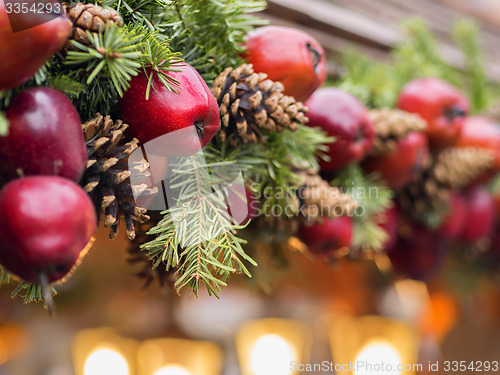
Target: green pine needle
{"points": [[4, 277], [114, 54], [466, 35], [31, 292], [197, 236], [66, 85], [159, 60], [4, 125], [373, 198]]}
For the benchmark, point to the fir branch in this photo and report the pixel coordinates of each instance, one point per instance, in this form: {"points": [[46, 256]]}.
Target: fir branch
{"points": [[210, 33], [197, 236], [41, 75], [418, 55], [31, 292], [113, 54], [466, 35], [373, 198], [159, 60], [66, 85], [273, 166], [4, 125], [4, 277]]}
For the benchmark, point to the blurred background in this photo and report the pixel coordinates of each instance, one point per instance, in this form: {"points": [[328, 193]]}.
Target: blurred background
{"points": [[318, 310]]}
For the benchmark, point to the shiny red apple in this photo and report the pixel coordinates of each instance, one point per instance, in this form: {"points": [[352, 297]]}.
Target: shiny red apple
{"points": [[482, 132], [46, 222], [45, 136], [454, 222], [480, 215], [186, 121], [399, 167], [24, 52], [440, 104], [327, 237], [344, 117], [287, 55]]}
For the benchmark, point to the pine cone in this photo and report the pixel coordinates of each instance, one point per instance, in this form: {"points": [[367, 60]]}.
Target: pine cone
{"points": [[427, 197], [249, 103], [89, 17], [316, 198], [392, 125], [107, 178]]}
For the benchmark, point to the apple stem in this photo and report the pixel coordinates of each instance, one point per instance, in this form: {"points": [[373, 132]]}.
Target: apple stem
{"points": [[47, 294]]}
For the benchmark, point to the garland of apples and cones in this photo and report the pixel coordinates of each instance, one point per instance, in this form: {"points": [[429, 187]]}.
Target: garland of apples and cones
{"points": [[382, 161]]}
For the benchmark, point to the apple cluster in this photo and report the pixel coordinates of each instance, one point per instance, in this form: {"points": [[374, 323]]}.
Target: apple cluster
{"points": [[415, 249], [47, 218], [297, 60]]}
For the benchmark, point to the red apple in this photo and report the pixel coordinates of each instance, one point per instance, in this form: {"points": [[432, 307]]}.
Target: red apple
{"points": [[456, 219], [24, 52], [344, 117], [480, 214], [287, 55], [440, 104], [186, 121], [389, 220], [399, 167], [419, 255], [46, 222], [482, 132], [324, 238], [45, 136]]}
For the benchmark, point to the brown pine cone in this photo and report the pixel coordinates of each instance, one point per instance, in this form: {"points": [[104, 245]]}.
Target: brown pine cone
{"points": [[107, 178], [427, 197], [250, 103], [88, 17], [392, 125], [317, 199]]}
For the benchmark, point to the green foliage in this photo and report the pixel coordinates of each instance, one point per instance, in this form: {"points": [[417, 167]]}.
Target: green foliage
{"points": [[71, 88], [275, 163], [377, 84], [373, 198], [197, 236], [31, 292], [466, 34], [113, 54], [4, 277], [209, 33]]}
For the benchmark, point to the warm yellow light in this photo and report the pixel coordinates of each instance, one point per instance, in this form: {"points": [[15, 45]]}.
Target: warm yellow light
{"points": [[272, 355], [378, 358], [105, 361], [172, 370]]}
